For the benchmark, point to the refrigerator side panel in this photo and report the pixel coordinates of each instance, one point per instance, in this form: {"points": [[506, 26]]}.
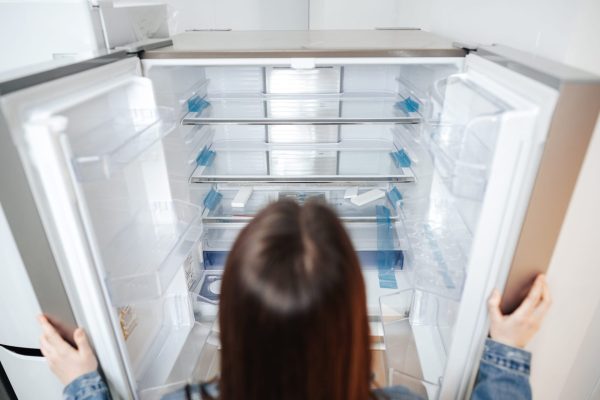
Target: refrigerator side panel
{"points": [[570, 132], [19, 306], [32, 244], [30, 376]]}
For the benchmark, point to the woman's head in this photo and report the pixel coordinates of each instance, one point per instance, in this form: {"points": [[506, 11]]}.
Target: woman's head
{"points": [[293, 310]]}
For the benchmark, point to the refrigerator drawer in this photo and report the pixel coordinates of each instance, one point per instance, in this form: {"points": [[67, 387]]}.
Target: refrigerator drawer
{"points": [[382, 249], [30, 376]]}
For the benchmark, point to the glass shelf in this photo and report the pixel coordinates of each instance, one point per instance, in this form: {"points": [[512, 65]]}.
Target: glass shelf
{"points": [[326, 109], [219, 237], [142, 260], [263, 195], [350, 161], [105, 149]]}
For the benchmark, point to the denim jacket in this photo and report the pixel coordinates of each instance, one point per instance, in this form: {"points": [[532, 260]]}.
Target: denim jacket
{"points": [[503, 374]]}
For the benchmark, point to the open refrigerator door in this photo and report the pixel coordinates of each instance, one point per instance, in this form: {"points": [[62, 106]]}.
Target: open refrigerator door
{"points": [[485, 143], [91, 144]]}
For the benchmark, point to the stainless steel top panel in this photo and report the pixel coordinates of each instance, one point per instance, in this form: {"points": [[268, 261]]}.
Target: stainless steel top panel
{"points": [[542, 69], [31, 75], [307, 43]]}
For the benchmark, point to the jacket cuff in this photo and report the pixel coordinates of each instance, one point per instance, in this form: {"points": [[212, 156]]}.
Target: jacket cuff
{"points": [[84, 386], [507, 357]]}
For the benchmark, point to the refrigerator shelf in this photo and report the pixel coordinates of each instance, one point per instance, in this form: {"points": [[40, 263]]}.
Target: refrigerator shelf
{"points": [[350, 161], [305, 109], [111, 145], [142, 260], [181, 98], [218, 238], [262, 195]]}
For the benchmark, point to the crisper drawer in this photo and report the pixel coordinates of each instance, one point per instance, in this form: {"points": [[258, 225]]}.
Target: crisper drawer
{"points": [[379, 240]]}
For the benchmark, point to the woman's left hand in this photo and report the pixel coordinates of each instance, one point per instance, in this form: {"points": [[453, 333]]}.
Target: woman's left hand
{"points": [[67, 362]]}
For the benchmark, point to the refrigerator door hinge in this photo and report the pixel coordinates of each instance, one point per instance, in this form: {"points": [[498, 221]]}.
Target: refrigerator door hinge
{"points": [[468, 47], [146, 44], [396, 28]]}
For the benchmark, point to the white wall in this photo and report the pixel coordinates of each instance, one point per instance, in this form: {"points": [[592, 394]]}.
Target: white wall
{"points": [[34, 31], [353, 14], [238, 14]]}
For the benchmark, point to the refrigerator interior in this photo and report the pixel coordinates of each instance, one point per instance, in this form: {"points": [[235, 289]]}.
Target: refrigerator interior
{"points": [[421, 135], [157, 165]]}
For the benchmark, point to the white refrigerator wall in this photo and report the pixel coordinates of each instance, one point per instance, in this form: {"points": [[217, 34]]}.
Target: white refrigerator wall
{"points": [[19, 327]]}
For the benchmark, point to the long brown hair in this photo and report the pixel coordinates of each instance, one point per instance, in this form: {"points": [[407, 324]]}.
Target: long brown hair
{"points": [[292, 314]]}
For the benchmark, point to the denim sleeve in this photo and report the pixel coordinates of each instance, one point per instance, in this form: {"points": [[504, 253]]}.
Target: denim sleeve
{"points": [[503, 373], [395, 393], [89, 386]]}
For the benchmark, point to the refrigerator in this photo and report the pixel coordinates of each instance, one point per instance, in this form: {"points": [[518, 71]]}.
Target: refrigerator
{"points": [[126, 177]]}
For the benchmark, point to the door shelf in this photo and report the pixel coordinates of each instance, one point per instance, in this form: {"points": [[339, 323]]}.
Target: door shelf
{"points": [[262, 195], [178, 356], [142, 260], [325, 109], [416, 328], [350, 161], [440, 244], [462, 155], [111, 145]]}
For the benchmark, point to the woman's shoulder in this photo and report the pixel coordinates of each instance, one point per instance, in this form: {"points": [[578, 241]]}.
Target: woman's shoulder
{"points": [[395, 393], [197, 391]]}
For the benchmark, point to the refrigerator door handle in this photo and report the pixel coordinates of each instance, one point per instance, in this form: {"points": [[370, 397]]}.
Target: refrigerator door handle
{"points": [[23, 351]]}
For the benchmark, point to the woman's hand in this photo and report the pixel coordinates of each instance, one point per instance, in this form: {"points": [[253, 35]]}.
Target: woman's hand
{"points": [[518, 328], [66, 362]]}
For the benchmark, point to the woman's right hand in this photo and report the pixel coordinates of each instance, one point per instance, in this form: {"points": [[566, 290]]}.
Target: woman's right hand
{"points": [[518, 328]]}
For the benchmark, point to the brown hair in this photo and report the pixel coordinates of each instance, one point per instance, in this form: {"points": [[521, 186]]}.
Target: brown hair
{"points": [[292, 312]]}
